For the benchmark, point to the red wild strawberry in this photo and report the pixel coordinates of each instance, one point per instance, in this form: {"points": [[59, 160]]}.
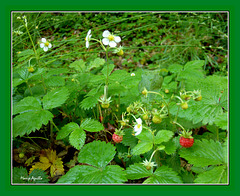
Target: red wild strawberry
{"points": [[117, 138], [186, 142], [100, 118]]}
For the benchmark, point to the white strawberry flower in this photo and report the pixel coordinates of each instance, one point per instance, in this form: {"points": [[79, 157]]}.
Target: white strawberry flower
{"points": [[138, 126], [45, 44], [110, 39], [132, 74], [88, 38]]}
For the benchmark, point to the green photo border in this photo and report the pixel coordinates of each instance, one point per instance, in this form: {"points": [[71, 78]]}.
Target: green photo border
{"points": [[124, 5]]}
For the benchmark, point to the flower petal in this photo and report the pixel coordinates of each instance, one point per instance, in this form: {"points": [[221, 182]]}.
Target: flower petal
{"points": [[49, 45], [87, 44], [139, 121], [105, 41], [117, 39], [45, 49], [112, 44], [106, 33], [42, 45], [89, 32], [43, 40]]}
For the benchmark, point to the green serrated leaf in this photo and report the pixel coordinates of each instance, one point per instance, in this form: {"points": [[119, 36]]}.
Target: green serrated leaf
{"points": [[145, 135], [55, 81], [170, 147], [203, 153], [95, 63], [77, 138], [129, 139], [38, 176], [142, 147], [108, 69], [83, 174], [27, 104], [97, 154], [175, 68], [163, 136], [20, 175], [192, 69], [28, 122], [55, 98], [78, 65], [217, 175], [222, 121], [137, 171], [66, 130], [163, 175], [91, 125]]}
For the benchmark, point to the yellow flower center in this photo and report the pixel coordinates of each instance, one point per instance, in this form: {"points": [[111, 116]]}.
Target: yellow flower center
{"points": [[138, 126], [46, 44], [111, 37]]}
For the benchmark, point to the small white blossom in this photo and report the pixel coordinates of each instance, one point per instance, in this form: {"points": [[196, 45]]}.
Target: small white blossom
{"points": [[110, 39], [138, 126], [132, 74], [45, 44], [148, 164], [88, 38]]}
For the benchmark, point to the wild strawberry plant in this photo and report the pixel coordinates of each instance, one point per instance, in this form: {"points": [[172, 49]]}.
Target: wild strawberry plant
{"points": [[91, 121]]}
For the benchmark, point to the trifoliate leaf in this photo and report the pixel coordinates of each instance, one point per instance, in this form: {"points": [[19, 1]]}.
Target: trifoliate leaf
{"points": [[97, 154], [55, 98], [142, 147], [28, 122], [83, 174], [27, 104], [48, 158], [203, 153], [163, 136], [66, 130], [163, 175], [91, 125], [77, 138], [137, 171], [217, 175]]}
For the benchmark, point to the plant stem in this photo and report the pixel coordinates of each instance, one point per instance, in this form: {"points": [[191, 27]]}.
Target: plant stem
{"points": [[29, 88]]}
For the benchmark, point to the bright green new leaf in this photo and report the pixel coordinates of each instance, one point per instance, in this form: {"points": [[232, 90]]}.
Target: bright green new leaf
{"points": [[163, 136], [97, 154], [30, 121], [27, 104], [55, 98], [91, 125], [217, 175], [129, 139], [203, 153], [77, 138], [142, 147], [145, 135], [66, 130]]}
